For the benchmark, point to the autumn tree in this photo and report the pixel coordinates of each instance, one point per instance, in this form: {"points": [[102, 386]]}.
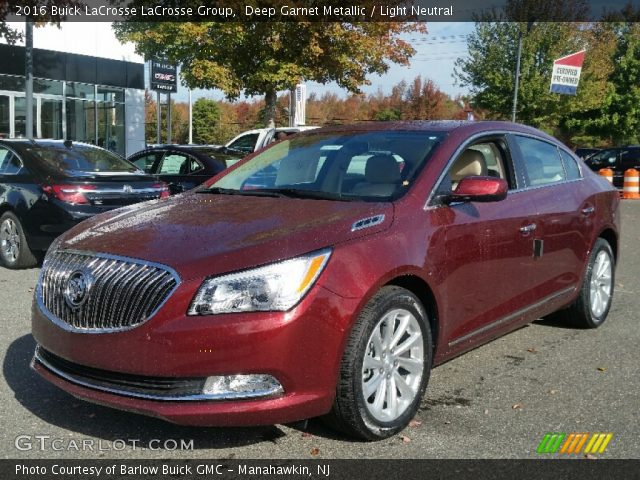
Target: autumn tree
{"points": [[206, 117], [263, 58]]}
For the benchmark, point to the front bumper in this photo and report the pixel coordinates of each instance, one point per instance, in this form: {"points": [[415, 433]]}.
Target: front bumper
{"points": [[301, 348]]}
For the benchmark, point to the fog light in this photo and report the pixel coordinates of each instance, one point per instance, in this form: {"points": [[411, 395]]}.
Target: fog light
{"points": [[241, 386]]}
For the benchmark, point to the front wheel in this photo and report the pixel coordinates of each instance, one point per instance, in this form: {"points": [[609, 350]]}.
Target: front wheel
{"points": [[385, 368], [592, 306]]}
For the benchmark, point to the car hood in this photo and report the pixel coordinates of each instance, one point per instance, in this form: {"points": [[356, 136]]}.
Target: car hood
{"points": [[207, 234]]}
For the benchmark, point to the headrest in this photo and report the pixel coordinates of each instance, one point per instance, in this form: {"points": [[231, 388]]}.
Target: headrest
{"points": [[470, 163], [382, 169]]}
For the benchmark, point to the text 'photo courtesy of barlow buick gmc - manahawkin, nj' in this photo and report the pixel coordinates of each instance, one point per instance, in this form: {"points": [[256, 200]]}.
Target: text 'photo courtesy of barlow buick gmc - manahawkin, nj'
{"points": [[324, 275]]}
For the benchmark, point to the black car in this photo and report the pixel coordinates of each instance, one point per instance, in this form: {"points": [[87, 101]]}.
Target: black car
{"points": [[618, 159], [586, 152], [184, 167], [48, 186]]}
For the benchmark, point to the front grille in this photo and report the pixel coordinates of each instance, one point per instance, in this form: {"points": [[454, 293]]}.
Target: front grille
{"points": [[160, 388], [117, 293]]}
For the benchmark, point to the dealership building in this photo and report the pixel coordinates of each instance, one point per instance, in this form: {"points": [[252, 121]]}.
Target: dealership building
{"points": [[76, 97]]}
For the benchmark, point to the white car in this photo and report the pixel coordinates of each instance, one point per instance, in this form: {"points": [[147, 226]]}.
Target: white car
{"points": [[253, 140]]}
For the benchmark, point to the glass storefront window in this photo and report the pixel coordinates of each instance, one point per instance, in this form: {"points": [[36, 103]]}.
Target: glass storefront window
{"points": [[20, 110], [12, 83], [110, 94], [5, 117], [50, 87], [111, 127], [80, 90], [51, 118], [81, 121]]}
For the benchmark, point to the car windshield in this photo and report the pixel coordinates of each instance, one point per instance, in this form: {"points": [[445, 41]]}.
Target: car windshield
{"points": [[81, 159], [370, 166]]}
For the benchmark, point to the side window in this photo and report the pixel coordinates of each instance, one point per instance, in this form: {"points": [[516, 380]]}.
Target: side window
{"points": [[194, 165], [570, 166], [10, 164], [483, 158], [542, 163], [246, 143], [145, 162], [174, 164], [630, 158]]}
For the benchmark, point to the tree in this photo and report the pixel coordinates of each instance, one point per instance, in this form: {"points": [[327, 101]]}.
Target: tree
{"points": [[262, 58], [490, 67], [206, 117]]}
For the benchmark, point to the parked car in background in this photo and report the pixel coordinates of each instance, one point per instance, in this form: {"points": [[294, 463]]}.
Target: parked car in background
{"points": [[184, 167], [253, 140], [48, 186], [618, 159], [326, 294], [586, 152]]}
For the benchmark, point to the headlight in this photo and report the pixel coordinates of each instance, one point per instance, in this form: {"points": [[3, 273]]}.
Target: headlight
{"points": [[275, 287]]}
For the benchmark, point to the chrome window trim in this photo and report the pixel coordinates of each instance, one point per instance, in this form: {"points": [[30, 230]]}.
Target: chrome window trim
{"points": [[99, 331], [471, 139], [126, 393]]}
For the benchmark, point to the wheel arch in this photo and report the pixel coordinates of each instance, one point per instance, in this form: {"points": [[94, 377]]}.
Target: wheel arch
{"points": [[421, 289], [612, 238]]}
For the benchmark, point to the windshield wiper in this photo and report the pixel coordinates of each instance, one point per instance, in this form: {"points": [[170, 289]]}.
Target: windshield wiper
{"points": [[231, 191], [314, 194]]}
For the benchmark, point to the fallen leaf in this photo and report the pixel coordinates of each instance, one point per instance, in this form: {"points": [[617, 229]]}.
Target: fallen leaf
{"points": [[553, 392], [517, 406], [405, 439], [306, 434], [590, 457], [91, 415], [602, 369], [415, 423], [315, 451], [486, 412], [447, 422], [532, 350]]}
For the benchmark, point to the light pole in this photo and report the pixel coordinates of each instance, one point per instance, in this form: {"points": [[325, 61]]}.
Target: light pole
{"points": [[517, 79], [28, 67]]}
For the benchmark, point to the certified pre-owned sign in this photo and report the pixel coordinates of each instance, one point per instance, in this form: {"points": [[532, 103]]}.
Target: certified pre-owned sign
{"points": [[164, 76]]}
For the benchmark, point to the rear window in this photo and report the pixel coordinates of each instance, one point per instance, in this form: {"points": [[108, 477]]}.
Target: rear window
{"points": [[80, 159]]}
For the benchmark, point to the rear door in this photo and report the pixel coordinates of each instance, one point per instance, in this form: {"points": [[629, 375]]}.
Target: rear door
{"points": [[564, 212], [174, 169]]}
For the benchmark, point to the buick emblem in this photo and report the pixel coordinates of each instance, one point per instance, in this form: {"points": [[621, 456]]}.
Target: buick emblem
{"points": [[127, 188], [76, 289]]}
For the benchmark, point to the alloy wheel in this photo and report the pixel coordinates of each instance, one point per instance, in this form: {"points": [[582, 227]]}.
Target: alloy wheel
{"points": [[9, 240], [393, 365], [600, 287]]}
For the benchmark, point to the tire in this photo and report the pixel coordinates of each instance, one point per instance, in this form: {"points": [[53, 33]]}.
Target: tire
{"points": [[592, 306], [14, 249], [360, 415]]}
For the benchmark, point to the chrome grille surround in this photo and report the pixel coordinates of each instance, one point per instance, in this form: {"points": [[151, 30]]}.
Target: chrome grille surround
{"points": [[124, 292]]}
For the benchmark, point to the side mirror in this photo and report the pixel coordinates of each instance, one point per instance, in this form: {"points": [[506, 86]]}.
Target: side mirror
{"points": [[479, 189]]}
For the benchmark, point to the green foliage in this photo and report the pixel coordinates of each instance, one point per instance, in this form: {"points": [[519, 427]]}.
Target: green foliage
{"points": [[206, 117]]}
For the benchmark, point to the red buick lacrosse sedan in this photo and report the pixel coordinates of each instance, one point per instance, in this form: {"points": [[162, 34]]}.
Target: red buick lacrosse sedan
{"points": [[326, 275]]}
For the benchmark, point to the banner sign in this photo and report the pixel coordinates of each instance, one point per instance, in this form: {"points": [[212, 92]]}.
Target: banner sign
{"points": [[566, 73], [164, 76]]}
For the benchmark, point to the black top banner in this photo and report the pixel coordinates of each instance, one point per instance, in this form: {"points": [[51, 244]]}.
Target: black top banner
{"points": [[325, 11]]}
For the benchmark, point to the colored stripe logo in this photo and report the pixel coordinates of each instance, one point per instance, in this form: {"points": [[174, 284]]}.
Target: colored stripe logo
{"points": [[573, 443]]}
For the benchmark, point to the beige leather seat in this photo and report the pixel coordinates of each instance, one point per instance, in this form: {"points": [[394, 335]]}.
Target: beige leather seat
{"points": [[382, 177], [470, 163]]}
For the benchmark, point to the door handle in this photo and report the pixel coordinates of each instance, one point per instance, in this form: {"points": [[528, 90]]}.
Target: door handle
{"points": [[588, 210], [527, 229]]}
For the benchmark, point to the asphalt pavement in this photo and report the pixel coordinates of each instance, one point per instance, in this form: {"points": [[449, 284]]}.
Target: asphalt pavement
{"points": [[497, 401]]}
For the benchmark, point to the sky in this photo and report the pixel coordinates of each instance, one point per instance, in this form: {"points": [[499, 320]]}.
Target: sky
{"points": [[436, 53]]}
